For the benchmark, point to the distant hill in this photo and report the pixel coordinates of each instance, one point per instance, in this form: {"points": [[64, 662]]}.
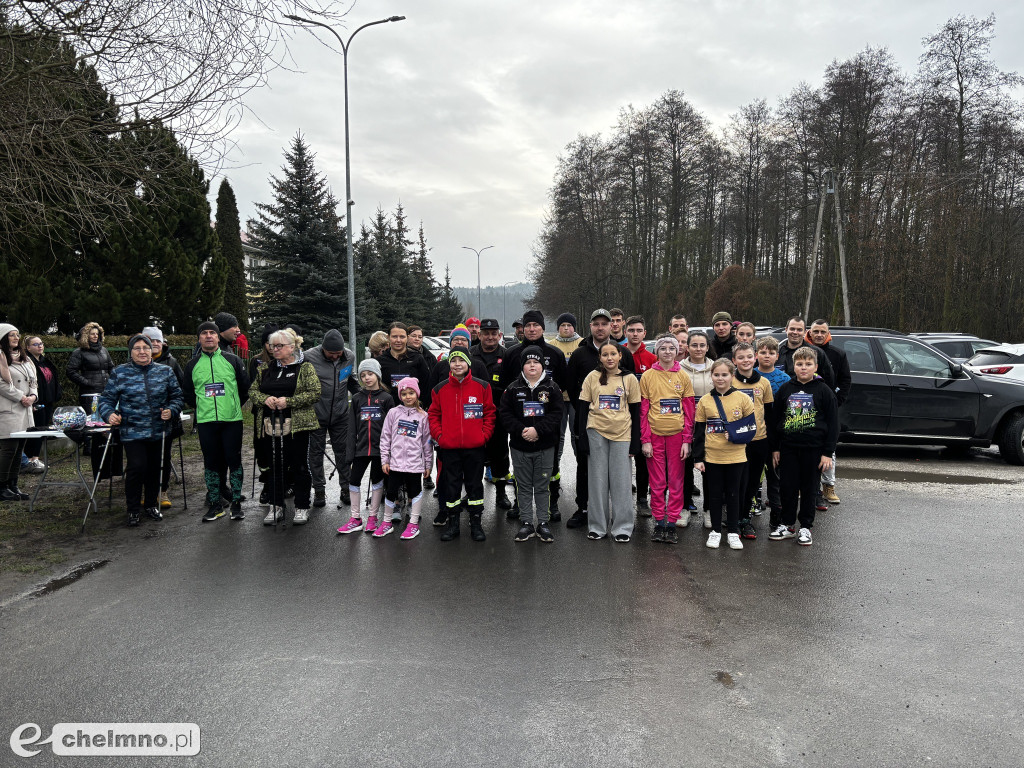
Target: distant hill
{"points": [[491, 301]]}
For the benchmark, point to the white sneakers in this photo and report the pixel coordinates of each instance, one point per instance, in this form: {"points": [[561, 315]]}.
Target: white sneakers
{"points": [[301, 517], [714, 539], [734, 541], [275, 514], [803, 538]]}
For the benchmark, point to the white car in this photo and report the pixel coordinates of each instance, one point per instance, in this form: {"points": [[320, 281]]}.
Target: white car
{"points": [[1005, 360], [435, 345]]}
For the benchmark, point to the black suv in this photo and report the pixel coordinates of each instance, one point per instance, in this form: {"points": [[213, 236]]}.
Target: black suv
{"points": [[906, 391]]}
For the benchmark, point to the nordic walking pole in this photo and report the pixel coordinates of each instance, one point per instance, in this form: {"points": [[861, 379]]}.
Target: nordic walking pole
{"points": [[96, 480], [181, 459], [163, 439]]}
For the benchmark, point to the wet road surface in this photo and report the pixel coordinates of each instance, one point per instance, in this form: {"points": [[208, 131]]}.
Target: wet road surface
{"points": [[893, 640]]}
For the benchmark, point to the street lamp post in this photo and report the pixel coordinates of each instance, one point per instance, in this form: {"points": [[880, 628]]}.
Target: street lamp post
{"points": [[474, 250], [348, 166]]}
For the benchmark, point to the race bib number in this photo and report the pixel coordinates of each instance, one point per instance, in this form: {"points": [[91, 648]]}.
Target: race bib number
{"points": [[408, 428], [609, 403], [216, 389], [473, 411], [715, 427], [533, 408], [749, 393], [395, 378], [670, 405], [370, 413]]}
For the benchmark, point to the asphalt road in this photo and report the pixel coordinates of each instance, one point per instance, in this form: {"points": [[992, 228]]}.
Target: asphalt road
{"points": [[893, 641]]}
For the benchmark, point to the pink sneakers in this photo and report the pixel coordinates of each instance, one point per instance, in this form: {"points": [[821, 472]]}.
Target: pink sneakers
{"points": [[412, 530], [384, 528], [371, 524], [354, 525]]}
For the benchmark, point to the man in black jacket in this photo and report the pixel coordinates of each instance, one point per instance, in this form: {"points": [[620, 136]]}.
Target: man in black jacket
{"points": [[584, 360], [822, 339], [490, 354], [796, 337]]}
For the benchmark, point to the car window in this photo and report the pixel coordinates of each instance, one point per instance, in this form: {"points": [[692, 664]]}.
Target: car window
{"points": [[979, 344], [952, 348], [989, 357], [911, 358], [858, 353]]}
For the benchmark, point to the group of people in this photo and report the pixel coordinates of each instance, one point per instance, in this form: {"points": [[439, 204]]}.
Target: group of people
{"points": [[727, 404]]}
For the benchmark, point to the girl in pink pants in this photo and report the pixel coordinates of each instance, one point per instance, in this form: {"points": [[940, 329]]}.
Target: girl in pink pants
{"points": [[666, 431]]}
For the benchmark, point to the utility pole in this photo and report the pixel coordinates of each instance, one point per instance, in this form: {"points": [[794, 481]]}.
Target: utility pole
{"points": [[829, 186]]}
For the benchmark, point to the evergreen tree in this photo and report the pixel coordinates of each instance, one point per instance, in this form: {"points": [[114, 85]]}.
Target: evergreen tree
{"points": [[302, 279], [229, 231], [449, 308]]}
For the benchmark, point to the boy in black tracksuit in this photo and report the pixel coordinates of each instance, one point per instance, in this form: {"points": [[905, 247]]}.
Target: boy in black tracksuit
{"points": [[803, 441], [531, 410]]}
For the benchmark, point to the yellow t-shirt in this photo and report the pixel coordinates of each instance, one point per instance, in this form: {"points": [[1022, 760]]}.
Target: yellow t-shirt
{"points": [[609, 404], [717, 448], [760, 393], [665, 390]]}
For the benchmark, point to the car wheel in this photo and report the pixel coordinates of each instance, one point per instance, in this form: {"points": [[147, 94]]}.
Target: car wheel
{"points": [[1011, 441]]}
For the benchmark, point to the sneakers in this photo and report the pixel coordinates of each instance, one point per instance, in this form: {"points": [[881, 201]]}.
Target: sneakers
{"points": [[659, 533], [714, 539], [829, 492], [412, 530], [301, 516], [154, 514], [747, 531], [671, 535], [236, 511], [622, 538], [165, 501], [133, 519], [441, 518], [734, 541], [428, 483], [578, 519], [526, 532], [804, 538], [487, 475], [275, 515], [819, 503], [34, 467], [371, 524], [683, 521], [595, 536], [354, 525], [213, 513], [544, 533], [319, 498], [707, 519], [643, 509], [782, 532], [385, 527], [692, 508]]}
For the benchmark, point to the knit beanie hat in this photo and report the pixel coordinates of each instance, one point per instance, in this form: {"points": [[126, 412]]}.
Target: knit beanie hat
{"points": [[209, 325], [333, 341], [670, 341], [719, 316], [372, 366], [139, 337], [268, 330], [533, 316], [471, 321], [532, 352], [225, 320], [154, 333], [408, 383], [460, 354], [460, 332], [567, 317]]}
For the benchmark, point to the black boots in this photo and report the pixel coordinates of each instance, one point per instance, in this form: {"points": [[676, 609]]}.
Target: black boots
{"points": [[476, 531], [9, 492], [451, 530], [500, 499]]}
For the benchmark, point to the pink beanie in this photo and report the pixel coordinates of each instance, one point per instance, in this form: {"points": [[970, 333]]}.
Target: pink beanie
{"points": [[409, 383]]}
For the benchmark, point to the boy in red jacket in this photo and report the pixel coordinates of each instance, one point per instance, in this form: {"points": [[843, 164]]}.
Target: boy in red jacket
{"points": [[461, 421]]}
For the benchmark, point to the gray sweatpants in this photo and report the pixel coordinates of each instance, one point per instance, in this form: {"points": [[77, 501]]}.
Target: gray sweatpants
{"points": [[610, 483], [532, 474], [338, 432]]}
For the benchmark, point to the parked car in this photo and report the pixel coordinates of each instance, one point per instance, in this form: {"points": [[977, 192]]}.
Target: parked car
{"points": [[956, 346], [1005, 360], [906, 391], [435, 345]]}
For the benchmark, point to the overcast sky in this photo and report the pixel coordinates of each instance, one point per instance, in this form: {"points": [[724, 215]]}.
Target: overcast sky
{"points": [[461, 111]]}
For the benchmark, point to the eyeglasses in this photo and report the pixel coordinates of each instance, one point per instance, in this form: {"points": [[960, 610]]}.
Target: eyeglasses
{"points": [[280, 346], [36, 344]]}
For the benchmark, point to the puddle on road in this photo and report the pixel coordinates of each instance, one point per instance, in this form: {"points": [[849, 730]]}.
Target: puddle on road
{"points": [[725, 679], [59, 582], [900, 476]]}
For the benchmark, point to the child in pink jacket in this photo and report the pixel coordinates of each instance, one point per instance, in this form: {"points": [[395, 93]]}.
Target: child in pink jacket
{"points": [[405, 457], [666, 432]]}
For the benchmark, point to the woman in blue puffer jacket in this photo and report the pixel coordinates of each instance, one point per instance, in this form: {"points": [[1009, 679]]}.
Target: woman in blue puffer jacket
{"points": [[141, 398]]}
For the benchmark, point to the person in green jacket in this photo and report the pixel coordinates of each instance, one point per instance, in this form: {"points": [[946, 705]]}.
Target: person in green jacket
{"points": [[216, 385]]}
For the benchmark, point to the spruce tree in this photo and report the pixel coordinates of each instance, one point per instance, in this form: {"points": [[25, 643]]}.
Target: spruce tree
{"points": [[302, 243], [449, 308], [229, 231]]}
